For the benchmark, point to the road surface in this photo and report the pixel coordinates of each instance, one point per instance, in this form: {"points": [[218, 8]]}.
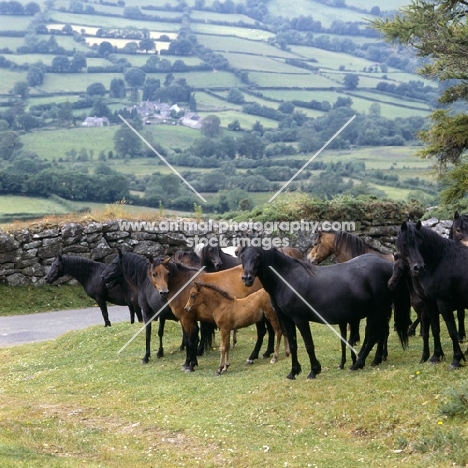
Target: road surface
{"points": [[20, 329]]}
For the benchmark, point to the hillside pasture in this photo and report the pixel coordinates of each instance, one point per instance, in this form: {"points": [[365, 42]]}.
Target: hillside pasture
{"points": [[74, 82], [242, 45], [14, 22], [12, 43], [9, 78], [75, 400], [246, 120], [259, 63], [318, 10], [54, 144], [291, 80], [384, 6], [209, 16], [113, 22], [219, 30]]}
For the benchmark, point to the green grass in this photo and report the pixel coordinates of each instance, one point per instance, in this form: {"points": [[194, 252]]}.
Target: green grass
{"points": [[74, 401], [74, 82], [54, 144], [260, 63], [237, 44], [111, 22], [9, 78], [292, 80], [21, 300], [218, 30]]}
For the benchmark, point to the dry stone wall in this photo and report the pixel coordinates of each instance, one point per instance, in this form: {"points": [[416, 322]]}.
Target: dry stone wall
{"points": [[26, 254]]}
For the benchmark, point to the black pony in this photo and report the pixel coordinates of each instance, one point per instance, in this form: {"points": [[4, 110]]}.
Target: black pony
{"points": [[132, 269], [459, 233], [214, 259], [439, 271], [341, 294], [88, 274]]}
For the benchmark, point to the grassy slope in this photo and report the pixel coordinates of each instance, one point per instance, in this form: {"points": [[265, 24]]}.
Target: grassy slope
{"points": [[74, 400]]}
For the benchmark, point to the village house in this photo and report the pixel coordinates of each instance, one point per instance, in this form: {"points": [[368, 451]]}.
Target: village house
{"points": [[95, 122]]}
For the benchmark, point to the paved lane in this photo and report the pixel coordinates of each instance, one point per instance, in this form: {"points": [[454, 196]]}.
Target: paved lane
{"points": [[20, 329]]}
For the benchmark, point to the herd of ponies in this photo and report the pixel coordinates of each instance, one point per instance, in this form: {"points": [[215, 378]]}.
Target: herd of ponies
{"points": [[280, 292]]}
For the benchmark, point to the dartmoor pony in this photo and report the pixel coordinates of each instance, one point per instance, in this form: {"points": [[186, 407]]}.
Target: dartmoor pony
{"points": [[338, 294], [132, 269], [174, 280], [210, 303], [343, 245], [88, 274], [459, 233], [214, 259], [439, 272]]}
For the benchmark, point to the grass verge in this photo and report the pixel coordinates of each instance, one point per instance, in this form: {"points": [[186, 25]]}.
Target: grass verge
{"points": [[74, 401], [21, 300]]}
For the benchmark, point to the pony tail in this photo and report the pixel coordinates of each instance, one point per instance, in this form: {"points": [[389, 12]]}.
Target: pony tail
{"points": [[402, 307]]}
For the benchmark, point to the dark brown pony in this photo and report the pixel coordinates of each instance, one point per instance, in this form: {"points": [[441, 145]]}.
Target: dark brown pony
{"points": [[343, 245], [210, 303], [174, 280]]}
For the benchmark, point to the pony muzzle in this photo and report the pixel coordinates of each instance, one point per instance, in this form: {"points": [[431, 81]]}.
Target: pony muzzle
{"points": [[247, 280], [418, 268]]}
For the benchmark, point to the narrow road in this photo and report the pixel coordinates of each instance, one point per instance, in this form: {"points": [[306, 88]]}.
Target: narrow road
{"points": [[20, 329]]}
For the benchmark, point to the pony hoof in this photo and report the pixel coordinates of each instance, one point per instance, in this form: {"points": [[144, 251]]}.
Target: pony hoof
{"points": [[311, 376], [144, 361], [249, 361], [274, 360], [291, 376]]}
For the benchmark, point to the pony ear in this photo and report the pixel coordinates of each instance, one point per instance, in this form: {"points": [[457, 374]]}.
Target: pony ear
{"points": [[166, 261], [404, 226], [150, 258], [198, 285], [456, 215], [418, 225], [59, 256], [119, 253]]}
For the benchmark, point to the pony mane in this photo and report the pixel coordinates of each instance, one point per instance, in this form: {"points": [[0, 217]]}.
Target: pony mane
{"points": [[310, 269], [353, 243], [216, 288], [180, 254], [82, 264], [135, 266]]}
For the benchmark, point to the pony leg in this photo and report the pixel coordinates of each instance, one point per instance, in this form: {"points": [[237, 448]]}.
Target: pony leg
{"points": [[261, 330], [372, 335], [103, 306], [290, 329], [271, 339], [147, 355], [162, 323], [424, 329], [461, 325], [278, 335], [458, 356], [315, 367], [434, 320], [223, 351], [343, 333]]}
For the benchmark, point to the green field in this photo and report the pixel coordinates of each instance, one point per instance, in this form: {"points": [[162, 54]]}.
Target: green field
{"points": [[74, 401]]}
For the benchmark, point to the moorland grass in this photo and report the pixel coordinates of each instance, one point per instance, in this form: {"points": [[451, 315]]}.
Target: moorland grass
{"points": [[22, 300], [75, 400]]}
